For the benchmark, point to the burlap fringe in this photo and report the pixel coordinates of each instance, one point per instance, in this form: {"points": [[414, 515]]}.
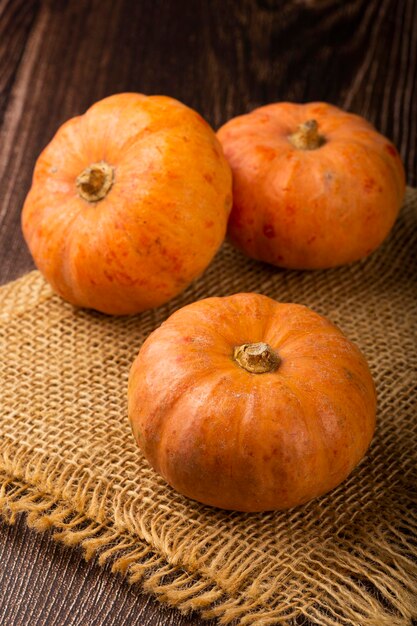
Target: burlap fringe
{"points": [[361, 594]]}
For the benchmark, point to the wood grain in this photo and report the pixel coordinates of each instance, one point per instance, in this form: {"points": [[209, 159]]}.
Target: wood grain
{"points": [[44, 583], [223, 58], [16, 20]]}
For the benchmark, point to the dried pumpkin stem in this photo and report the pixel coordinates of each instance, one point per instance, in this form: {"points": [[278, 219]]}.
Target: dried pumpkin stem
{"points": [[307, 136], [94, 183], [256, 358]]}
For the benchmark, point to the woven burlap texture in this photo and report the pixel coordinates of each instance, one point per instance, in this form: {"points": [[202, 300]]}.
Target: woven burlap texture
{"points": [[68, 459]]}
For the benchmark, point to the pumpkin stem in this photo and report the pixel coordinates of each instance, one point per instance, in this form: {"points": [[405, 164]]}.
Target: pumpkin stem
{"points": [[256, 358], [307, 137], [95, 181]]}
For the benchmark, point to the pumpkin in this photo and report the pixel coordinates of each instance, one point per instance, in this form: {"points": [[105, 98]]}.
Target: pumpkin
{"points": [[313, 186], [245, 403], [129, 203]]}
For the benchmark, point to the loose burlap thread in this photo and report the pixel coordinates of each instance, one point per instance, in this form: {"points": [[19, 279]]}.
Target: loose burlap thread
{"points": [[68, 459]]}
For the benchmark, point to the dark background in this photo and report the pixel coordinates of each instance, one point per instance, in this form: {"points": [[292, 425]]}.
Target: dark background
{"points": [[222, 57]]}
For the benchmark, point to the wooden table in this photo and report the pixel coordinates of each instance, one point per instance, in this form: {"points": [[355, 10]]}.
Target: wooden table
{"points": [[222, 57]]}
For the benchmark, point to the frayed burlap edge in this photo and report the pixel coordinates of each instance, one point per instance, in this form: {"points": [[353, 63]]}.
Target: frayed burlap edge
{"points": [[346, 600]]}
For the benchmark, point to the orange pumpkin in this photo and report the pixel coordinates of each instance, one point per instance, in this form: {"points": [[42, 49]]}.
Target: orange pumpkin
{"points": [[129, 203], [248, 404], [313, 186]]}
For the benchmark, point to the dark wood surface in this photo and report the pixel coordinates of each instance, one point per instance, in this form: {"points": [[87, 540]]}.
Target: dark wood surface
{"points": [[222, 57]]}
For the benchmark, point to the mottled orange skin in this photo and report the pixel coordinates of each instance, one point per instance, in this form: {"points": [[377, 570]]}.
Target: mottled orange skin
{"points": [[310, 209], [242, 441], [160, 224]]}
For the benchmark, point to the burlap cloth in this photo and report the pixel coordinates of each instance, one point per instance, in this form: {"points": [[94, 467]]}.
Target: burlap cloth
{"points": [[68, 459]]}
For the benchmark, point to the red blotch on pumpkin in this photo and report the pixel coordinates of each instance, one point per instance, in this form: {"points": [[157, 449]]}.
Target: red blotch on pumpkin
{"points": [[266, 153], [269, 231], [391, 150], [369, 185], [264, 118]]}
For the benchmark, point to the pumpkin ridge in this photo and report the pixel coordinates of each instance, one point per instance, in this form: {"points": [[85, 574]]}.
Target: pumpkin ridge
{"points": [[377, 157], [352, 426], [195, 418], [169, 413], [289, 341], [312, 417], [68, 292]]}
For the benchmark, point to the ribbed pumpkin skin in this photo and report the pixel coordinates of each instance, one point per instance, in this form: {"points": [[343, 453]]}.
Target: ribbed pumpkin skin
{"points": [[162, 220], [243, 441], [310, 209]]}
